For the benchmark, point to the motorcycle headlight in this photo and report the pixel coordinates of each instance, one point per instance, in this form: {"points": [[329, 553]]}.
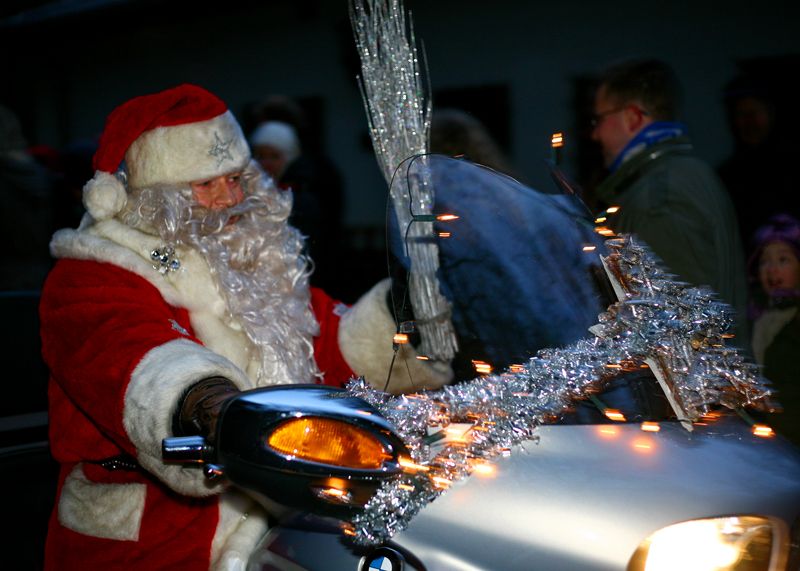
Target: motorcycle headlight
{"points": [[735, 543]]}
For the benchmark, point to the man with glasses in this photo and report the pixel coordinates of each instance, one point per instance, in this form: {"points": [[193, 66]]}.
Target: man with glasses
{"points": [[666, 196]]}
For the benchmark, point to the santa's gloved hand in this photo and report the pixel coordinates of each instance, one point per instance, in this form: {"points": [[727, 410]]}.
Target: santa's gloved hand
{"points": [[200, 406]]}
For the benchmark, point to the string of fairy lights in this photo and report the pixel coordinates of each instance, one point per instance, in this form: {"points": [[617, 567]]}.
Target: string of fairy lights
{"points": [[676, 330]]}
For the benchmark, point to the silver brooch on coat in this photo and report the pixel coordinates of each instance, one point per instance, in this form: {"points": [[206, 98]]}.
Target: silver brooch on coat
{"points": [[165, 260], [221, 149], [178, 327]]}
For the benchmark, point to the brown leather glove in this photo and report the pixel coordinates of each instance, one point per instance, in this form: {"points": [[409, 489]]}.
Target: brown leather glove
{"points": [[199, 407]]}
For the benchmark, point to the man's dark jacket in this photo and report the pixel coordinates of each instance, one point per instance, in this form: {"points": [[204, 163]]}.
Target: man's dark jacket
{"points": [[675, 203]]}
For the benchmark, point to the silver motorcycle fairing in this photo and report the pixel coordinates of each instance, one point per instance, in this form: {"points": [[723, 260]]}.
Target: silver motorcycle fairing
{"points": [[582, 497]]}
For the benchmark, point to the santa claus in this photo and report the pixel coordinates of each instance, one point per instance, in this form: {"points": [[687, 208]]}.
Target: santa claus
{"points": [[183, 285]]}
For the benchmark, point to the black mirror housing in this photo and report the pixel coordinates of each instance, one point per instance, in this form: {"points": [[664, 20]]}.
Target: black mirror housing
{"points": [[286, 482]]}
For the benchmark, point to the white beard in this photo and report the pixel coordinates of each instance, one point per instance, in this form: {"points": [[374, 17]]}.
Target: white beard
{"points": [[257, 264]]}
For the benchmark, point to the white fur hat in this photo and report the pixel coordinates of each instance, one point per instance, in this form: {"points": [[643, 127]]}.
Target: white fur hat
{"points": [[280, 135], [178, 135]]}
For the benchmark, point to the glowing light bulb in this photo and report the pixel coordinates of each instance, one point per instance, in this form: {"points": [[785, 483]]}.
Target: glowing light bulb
{"points": [[612, 209], [333, 495], [440, 482], [649, 426], [482, 367], [763, 431], [400, 338], [410, 466], [614, 414]]}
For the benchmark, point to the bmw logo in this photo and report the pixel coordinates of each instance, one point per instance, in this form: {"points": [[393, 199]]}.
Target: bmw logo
{"points": [[382, 559], [381, 563]]}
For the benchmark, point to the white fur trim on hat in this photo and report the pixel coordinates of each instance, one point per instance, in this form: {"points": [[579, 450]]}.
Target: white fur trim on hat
{"points": [[104, 196], [188, 152]]}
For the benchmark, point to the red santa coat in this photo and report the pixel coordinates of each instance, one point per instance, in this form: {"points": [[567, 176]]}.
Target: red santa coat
{"points": [[123, 343]]}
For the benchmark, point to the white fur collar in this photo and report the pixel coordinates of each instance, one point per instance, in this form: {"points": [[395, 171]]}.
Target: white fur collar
{"points": [[112, 242], [191, 287]]}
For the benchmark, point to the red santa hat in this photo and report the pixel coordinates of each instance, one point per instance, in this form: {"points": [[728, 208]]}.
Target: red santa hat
{"points": [[175, 136]]}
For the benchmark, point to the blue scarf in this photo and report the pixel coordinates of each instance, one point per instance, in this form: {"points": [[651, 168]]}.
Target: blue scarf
{"points": [[647, 137]]}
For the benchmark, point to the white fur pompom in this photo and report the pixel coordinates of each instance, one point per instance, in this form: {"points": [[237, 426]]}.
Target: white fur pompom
{"points": [[104, 196]]}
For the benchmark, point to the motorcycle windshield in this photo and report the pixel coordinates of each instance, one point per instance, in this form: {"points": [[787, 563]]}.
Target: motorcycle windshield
{"points": [[521, 268]]}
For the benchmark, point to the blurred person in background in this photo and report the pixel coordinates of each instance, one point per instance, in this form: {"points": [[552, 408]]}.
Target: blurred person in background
{"points": [[666, 196], [26, 188], [775, 283], [456, 133], [275, 146], [763, 158], [282, 142]]}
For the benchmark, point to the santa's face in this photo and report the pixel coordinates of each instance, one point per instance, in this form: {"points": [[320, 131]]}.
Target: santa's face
{"points": [[778, 268], [257, 263], [219, 192]]}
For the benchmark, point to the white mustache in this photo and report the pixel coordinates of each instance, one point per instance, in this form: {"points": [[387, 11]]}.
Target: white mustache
{"points": [[206, 221]]}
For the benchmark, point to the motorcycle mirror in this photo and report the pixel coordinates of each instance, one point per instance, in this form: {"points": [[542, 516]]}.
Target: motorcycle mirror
{"points": [[298, 447]]}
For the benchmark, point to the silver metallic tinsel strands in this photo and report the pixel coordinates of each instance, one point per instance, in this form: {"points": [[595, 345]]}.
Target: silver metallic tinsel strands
{"points": [[679, 328], [399, 122]]}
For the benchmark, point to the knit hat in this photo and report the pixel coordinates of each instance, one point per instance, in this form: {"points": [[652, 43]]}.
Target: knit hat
{"points": [[280, 135], [175, 136], [779, 228]]}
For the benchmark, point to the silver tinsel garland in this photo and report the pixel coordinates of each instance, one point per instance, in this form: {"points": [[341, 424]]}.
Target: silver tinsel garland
{"points": [[399, 123], [677, 329]]}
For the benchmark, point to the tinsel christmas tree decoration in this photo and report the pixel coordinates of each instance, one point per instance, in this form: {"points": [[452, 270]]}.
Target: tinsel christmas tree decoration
{"points": [[680, 330]]}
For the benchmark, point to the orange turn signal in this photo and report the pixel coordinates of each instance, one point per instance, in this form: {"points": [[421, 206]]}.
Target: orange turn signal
{"points": [[328, 442]]}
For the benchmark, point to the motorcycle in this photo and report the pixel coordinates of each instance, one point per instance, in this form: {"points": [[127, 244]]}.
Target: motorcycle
{"points": [[620, 474]]}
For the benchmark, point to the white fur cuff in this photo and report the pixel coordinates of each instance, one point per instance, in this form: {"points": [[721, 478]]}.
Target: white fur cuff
{"points": [[365, 339], [155, 388]]}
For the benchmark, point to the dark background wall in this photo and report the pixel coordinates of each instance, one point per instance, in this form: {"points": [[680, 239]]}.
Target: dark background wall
{"points": [[521, 65]]}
